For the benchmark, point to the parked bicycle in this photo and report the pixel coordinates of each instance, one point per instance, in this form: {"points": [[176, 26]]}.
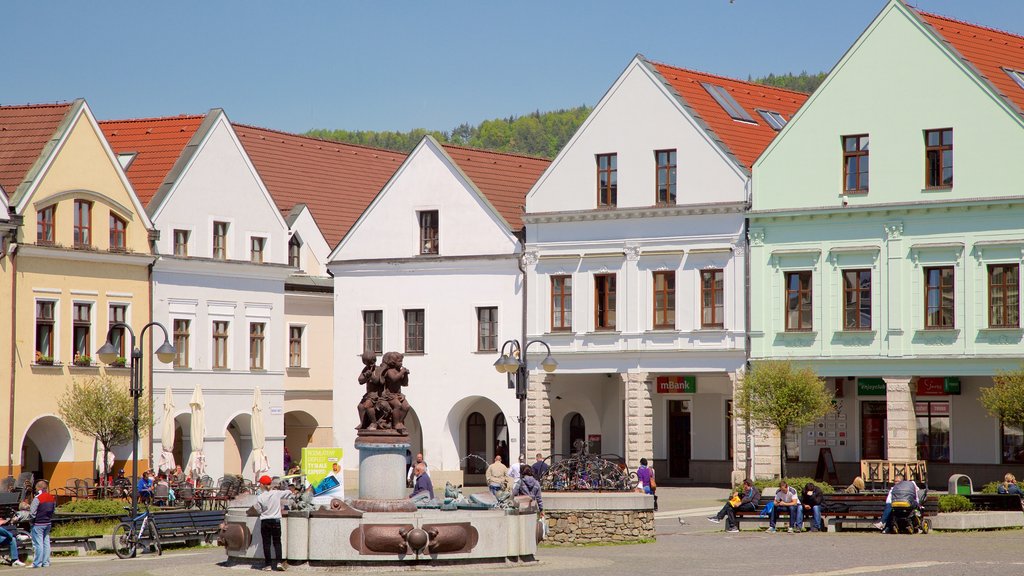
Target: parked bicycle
{"points": [[129, 535]]}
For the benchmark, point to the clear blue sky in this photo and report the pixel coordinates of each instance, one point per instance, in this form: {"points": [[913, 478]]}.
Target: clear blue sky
{"points": [[399, 64]]}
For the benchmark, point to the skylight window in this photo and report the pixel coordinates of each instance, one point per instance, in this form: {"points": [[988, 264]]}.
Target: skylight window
{"points": [[727, 102], [774, 119], [1017, 75]]}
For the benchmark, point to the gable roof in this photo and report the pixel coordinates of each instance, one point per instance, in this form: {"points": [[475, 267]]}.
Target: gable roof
{"points": [[987, 50], [743, 141], [24, 133], [504, 179], [158, 143], [336, 181]]}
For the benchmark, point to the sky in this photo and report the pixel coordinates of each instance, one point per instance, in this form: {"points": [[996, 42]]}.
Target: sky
{"points": [[403, 64]]}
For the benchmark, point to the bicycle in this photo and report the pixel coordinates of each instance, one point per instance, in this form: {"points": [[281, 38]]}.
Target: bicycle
{"points": [[126, 538]]}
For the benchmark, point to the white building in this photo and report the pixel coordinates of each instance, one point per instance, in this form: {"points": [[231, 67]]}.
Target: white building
{"points": [[636, 253], [218, 285], [431, 269]]}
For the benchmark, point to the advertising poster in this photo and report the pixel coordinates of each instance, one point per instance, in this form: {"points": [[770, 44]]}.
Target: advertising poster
{"points": [[323, 470]]}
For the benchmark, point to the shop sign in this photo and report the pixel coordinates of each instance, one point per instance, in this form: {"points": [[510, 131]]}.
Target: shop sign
{"points": [[938, 386], [870, 387], [677, 384], [952, 385]]}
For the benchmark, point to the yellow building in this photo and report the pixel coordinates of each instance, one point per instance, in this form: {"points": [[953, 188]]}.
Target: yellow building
{"points": [[79, 261]]}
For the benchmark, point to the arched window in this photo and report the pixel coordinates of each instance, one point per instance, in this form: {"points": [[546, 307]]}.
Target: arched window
{"points": [[501, 439], [577, 431], [476, 443]]}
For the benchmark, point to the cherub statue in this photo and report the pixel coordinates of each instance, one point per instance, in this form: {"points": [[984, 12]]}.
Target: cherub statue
{"points": [[393, 377], [371, 400]]}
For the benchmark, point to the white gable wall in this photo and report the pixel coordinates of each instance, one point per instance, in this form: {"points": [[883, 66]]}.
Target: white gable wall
{"points": [[427, 181], [634, 119], [221, 179], [315, 249]]}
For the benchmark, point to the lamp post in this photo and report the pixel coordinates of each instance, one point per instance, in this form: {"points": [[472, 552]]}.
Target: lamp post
{"points": [[514, 363], [107, 354]]}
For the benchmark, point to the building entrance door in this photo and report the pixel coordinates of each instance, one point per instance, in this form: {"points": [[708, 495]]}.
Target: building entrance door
{"points": [[678, 439], [872, 430]]}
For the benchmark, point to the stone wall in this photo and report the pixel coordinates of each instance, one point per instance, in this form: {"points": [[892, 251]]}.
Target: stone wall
{"points": [[575, 527]]}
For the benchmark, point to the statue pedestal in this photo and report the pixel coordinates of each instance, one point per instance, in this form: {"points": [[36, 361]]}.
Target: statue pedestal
{"points": [[382, 472]]}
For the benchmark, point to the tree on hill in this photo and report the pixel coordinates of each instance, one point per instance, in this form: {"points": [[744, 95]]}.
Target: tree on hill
{"points": [[802, 82], [776, 395]]}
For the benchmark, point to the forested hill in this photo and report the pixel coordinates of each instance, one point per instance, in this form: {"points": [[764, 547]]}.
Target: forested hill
{"points": [[536, 134]]}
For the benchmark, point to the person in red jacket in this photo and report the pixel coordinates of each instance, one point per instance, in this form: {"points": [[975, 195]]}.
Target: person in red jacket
{"points": [[41, 514]]}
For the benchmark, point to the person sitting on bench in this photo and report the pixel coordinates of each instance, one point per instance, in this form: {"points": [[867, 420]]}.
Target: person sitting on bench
{"points": [[787, 501], [747, 497], [811, 499]]}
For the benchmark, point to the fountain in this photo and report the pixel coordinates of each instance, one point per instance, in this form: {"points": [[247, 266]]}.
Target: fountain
{"points": [[382, 525]]}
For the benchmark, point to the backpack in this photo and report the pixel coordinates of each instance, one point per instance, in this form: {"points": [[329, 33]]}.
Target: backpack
{"points": [[769, 508]]}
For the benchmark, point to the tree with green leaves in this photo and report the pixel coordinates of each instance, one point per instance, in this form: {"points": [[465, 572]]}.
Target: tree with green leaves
{"points": [[101, 408], [1005, 398], [775, 394]]}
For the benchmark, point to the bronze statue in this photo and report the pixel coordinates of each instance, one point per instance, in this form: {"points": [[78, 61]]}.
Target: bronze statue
{"points": [[383, 406]]}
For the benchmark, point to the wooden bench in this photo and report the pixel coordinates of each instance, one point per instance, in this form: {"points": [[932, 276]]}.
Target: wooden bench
{"points": [[81, 544], [838, 510], [186, 526], [996, 502]]}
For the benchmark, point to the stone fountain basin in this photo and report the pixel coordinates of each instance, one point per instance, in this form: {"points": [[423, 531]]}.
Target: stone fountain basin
{"points": [[459, 536]]}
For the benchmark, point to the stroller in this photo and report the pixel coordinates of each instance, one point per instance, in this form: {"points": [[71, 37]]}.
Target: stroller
{"points": [[907, 514]]}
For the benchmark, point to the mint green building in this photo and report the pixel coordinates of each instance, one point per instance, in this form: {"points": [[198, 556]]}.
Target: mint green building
{"points": [[886, 237]]}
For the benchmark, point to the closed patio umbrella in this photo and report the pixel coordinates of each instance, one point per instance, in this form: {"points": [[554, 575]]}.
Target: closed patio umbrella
{"points": [[197, 460], [260, 464], [167, 438]]}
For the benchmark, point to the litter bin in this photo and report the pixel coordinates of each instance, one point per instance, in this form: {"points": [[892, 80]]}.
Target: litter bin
{"points": [[961, 484]]}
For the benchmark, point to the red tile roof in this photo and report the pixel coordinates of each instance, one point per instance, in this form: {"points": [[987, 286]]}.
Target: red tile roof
{"points": [[503, 178], [24, 131], [158, 143], [987, 49], [335, 181], [745, 140]]}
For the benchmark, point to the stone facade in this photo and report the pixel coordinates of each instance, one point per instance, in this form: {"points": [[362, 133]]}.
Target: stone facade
{"points": [[578, 527], [639, 418]]}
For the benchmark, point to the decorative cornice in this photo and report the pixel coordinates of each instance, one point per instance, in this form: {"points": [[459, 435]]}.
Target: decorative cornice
{"points": [[988, 202], [756, 236], [627, 213], [632, 252], [893, 230], [95, 256]]}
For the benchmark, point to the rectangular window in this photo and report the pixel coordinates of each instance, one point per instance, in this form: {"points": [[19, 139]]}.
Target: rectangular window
{"points": [[938, 158], [856, 299], [181, 243], [487, 329], [181, 337], [295, 252], [256, 245], [799, 304], [295, 346], [44, 330], [1012, 444], [429, 232], [1004, 296], [44, 225], [939, 298], [220, 344], [664, 300], [256, 337], [712, 297], [561, 303], [373, 335], [855, 163], [116, 314], [117, 232], [774, 119], [932, 431], [665, 176], [607, 180], [82, 321], [220, 240], [83, 224], [604, 301], [414, 329]]}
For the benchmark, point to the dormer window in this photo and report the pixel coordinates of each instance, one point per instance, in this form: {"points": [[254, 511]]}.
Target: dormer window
{"points": [[220, 240], [257, 246], [295, 251], [44, 225], [83, 224], [118, 228], [727, 102], [429, 232], [181, 243]]}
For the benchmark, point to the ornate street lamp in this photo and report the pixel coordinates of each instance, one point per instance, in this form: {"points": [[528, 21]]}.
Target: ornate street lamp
{"points": [[513, 365], [107, 354]]}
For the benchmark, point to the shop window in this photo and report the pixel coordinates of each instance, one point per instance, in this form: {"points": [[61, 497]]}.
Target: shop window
{"points": [[932, 431], [1012, 444]]}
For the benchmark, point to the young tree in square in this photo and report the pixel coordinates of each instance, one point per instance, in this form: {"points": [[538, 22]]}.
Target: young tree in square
{"points": [[1005, 398], [775, 394], [101, 407]]}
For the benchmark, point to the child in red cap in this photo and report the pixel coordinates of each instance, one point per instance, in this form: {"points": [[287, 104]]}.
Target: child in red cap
{"points": [[268, 503]]}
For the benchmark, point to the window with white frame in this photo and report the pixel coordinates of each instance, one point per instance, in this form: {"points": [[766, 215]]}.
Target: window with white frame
{"points": [[45, 330], [295, 346], [82, 332]]}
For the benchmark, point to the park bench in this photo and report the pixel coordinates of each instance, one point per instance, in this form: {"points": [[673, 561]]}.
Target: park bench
{"points": [[81, 544], [187, 526], [841, 509], [996, 502]]}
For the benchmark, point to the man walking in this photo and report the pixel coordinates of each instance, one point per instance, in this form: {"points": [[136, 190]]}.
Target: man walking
{"points": [[268, 504], [41, 514], [540, 467], [495, 474]]}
